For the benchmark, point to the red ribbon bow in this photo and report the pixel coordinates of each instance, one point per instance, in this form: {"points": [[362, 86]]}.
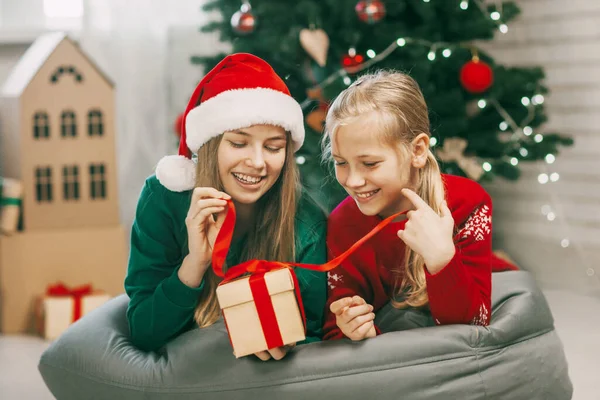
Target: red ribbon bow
{"points": [[258, 268], [61, 290]]}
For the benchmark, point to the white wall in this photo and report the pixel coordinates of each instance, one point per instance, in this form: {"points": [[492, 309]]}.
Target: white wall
{"points": [[145, 47], [564, 38], [23, 13]]}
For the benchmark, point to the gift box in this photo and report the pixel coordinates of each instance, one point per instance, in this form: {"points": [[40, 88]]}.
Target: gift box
{"points": [[11, 192], [264, 310], [261, 311], [62, 306]]}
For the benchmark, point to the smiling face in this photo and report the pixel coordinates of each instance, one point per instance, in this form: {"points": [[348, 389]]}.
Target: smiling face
{"points": [[372, 171], [250, 161]]}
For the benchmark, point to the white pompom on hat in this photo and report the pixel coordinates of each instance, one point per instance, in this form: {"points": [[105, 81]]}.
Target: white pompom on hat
{"points": [[241, 91]]}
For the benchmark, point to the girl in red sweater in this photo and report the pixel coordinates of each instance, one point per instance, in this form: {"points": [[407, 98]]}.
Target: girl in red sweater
{"points": [[439, 254]]}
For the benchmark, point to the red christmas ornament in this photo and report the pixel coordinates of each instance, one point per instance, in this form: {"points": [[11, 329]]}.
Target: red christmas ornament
{"points": [[370, 11], [178, 125], [476, 76], [352, 59], [243, 21]]}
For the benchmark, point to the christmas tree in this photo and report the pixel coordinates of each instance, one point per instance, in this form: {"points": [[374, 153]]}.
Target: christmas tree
{"points": [[486, 118]]}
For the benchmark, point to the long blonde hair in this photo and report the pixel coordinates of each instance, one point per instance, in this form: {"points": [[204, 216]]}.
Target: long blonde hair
{"points": [[271, 238], [402, 112]]}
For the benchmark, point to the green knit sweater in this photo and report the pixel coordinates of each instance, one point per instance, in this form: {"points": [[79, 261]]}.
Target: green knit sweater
{"points": [[161, 306]]}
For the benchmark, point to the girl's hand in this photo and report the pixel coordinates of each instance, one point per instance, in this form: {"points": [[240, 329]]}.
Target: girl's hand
{"points": [[354, 317], [429, 234], [276, 353], [202, 227]]}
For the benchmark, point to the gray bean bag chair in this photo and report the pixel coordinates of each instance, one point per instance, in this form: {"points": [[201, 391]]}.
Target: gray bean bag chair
{"points": [[519, 356]]}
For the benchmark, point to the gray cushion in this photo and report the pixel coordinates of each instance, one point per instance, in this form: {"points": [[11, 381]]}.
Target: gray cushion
{"points": [[519, 356]]}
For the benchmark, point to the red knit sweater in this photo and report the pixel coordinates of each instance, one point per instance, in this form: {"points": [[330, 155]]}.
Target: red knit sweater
{"points": [[459, 293]]}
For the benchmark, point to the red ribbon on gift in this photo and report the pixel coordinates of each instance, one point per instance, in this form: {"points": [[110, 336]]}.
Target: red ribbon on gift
{"points": [[61, 290], [258, 268]]}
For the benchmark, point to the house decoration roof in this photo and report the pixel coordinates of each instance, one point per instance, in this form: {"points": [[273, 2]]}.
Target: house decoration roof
{"points": [[34, 58]]}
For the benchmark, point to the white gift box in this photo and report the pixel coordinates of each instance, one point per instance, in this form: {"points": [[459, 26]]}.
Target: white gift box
{"points": [[58, 312]]}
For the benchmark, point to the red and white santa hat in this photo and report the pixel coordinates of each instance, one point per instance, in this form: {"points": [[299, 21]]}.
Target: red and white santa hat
{"points": [[241, 91]]}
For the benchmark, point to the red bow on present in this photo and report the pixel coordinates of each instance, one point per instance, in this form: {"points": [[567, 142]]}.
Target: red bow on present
{"points": [[258, 268], [61, 290]]}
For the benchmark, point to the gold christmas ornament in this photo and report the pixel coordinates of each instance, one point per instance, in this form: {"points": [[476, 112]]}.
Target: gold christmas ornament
{"points": [[453, 151], [316, 43], [316, 119]]}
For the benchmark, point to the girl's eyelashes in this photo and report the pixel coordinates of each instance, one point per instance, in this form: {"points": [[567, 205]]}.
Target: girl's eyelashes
{"points": [[239, 145], [236, 144], [371, 164], [366, 164]]}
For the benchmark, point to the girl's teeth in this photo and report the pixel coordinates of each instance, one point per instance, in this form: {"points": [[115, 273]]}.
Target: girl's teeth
{"points": [[366, 195], [247, 179]]}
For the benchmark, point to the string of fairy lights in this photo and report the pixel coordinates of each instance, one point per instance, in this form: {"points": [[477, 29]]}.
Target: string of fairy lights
{"points": [[517, 130]]}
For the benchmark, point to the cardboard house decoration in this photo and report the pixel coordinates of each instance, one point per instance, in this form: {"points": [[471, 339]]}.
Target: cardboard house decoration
{"points": [[58, 139]]}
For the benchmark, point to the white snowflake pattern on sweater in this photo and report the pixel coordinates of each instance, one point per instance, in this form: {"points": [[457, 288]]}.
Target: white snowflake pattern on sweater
{"points": [[483, 317], [479, 224], [333, 278]]}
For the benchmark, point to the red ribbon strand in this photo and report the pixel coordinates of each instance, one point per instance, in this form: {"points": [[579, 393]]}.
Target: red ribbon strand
{"points": [[266, 315]]}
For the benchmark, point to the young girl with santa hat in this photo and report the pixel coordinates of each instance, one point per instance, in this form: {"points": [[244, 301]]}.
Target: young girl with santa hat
{"points": [[244, 127]]}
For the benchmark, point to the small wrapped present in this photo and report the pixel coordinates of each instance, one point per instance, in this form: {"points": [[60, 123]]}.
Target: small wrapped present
{"points": [[264, 310], [10, 204], [61, 306], [261, 311]]}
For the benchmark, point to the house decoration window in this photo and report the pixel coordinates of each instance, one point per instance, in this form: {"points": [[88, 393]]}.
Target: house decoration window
{"points": [[43, 184], [97, 181], [68, 70], [95, 123], [68, 124], [41, 125], [71, 182]]}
